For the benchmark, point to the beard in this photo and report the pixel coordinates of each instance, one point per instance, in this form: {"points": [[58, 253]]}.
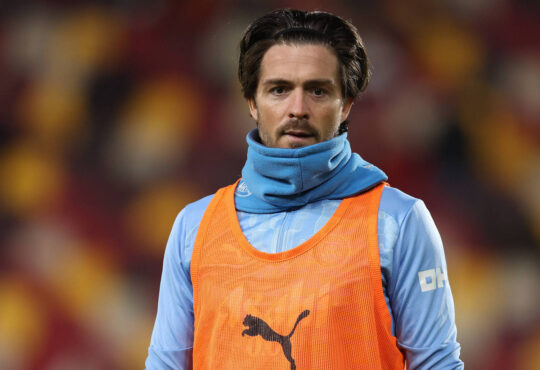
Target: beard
{"points": [[294, 124]]}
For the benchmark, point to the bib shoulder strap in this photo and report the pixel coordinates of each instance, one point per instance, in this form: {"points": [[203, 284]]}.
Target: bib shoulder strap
{"points": [[201, 236]]}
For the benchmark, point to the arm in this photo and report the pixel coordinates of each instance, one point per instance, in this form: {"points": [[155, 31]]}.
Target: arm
{"points": [[172, 338], [420, 296]]}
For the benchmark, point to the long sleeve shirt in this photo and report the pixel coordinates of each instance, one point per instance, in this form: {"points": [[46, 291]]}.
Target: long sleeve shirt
{"points": [[413, 272]]}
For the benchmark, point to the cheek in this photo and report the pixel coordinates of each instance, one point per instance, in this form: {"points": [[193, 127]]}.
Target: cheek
{"points": [[333, 113], [269, 115]]}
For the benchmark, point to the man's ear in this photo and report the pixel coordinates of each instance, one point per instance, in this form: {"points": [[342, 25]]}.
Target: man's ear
{"points": [[346, 109], [253, 108]]}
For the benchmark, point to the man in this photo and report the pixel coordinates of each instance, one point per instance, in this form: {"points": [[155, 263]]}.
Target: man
{"points": [[310, 261]]}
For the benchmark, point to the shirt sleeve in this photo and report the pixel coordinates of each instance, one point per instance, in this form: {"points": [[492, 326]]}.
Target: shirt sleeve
{"points": [[420, 296], [172, 338]]}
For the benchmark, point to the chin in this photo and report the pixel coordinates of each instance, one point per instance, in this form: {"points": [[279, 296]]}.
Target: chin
{"points": [[297, 142], [298, 145]]}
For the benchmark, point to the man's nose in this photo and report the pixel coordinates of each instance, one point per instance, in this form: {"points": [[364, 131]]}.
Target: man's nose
{"points": [[298, 107]]}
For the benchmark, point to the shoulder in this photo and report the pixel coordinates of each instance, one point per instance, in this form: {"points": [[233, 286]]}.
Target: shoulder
{"points": [[394, 210], [194, 211], [405, 228], [184, 231], [396, 204], [404, 211], [409, 229], [190, 216], [188, 219]]}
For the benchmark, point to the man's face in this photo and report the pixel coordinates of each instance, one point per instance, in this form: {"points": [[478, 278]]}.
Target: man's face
{"points": [[298, 100]]}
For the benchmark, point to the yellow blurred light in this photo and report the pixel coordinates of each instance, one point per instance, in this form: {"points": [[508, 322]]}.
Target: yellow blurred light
{"points": [[54, 107], [448, 50], [504, 152], [54, 114], [529, 354], [155, 130], [22, 322], [81, 276], [475, 282], [164, 110], [84, 39], [152, 214], [102, 301], [120, 318], [28, 179]]}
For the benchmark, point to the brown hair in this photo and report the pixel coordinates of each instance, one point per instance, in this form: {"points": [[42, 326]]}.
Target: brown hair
{"points": [[288, 26]]}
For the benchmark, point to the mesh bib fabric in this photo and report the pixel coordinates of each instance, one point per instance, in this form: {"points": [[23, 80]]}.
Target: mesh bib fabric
{"points": [[317, 306]]}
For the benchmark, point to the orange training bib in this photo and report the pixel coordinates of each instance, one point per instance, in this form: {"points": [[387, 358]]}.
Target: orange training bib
{"points": [[317, 306]]}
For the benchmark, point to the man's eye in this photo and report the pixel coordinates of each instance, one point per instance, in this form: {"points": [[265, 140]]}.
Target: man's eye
{"points": [[278, 90], [318, 91]]}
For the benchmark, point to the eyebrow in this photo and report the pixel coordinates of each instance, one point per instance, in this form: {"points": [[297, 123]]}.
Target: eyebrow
{"points": [[315, 82]]}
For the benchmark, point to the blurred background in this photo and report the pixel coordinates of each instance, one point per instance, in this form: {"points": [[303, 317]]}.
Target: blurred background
{"points": [[116, 114]]}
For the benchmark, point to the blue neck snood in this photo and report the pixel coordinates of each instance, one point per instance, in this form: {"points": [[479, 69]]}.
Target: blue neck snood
{"points": [[276, 179]]}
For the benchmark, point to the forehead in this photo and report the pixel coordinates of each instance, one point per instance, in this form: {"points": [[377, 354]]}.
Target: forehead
{"points": [[299, 63]]}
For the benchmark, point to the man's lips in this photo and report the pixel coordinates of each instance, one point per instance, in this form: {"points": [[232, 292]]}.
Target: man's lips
{"points": [[297, 133]]}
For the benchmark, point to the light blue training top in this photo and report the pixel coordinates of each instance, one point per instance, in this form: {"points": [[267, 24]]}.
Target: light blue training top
{"points": [[413, 271]]}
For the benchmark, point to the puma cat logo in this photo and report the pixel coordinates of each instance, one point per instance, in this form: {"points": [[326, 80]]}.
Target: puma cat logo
{"points": [[259, 327]]}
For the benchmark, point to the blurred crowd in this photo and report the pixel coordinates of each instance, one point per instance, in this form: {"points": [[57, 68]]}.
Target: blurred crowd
{"points": [[116, 114]]}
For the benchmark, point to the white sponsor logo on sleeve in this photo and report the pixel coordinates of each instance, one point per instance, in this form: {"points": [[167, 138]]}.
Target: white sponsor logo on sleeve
{"points": [[432, 279]]}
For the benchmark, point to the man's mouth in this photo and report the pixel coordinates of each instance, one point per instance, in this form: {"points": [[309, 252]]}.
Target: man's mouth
{"points": [[297, 133], [298, 137]]}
